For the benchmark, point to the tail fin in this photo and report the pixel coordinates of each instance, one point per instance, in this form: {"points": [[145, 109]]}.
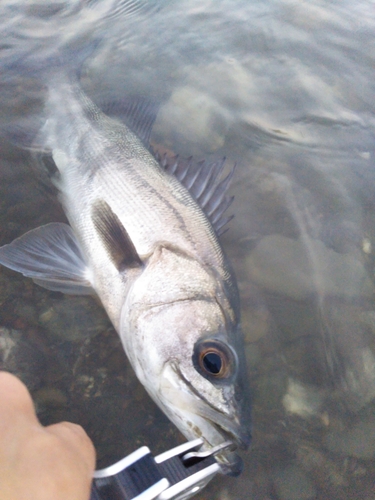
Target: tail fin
{"points": [[33, 73], [69, 58], [33, 33]]}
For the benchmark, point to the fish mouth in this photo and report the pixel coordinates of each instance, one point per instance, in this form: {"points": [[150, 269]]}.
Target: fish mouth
{"points": [[228, 428], [225, 429], [232, 467], [230, 462]]}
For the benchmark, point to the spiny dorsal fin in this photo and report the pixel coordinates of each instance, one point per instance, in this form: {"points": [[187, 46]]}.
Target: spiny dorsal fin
{"points": [[202, 179], [114, 237]]}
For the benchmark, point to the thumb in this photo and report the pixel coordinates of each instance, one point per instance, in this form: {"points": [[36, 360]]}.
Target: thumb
{"points": [[74, 436]]}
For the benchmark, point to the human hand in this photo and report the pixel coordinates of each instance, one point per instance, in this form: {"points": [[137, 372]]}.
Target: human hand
{"points": [[36, 462]]}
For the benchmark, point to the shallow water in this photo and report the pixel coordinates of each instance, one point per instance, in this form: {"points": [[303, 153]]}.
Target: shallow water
{"points": [[286, 90]]}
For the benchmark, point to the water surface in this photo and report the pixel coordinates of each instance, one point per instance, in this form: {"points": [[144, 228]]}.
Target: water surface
{"points": [[286, 90]]}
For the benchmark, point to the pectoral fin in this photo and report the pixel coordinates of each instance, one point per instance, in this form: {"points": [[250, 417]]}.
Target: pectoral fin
{"points": [[114, 237], [51, 256]]}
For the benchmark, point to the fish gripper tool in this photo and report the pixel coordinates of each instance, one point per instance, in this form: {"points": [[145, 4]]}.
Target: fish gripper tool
{"points": [[176, 474]]}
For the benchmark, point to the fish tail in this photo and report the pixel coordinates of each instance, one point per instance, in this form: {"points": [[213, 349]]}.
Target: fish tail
{"points": [[47, 71]]}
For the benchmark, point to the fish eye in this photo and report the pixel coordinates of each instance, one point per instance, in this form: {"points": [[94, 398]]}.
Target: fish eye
{"points": [[214, 360]]}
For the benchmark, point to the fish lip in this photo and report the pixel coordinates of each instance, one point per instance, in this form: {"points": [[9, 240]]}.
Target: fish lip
{"points": [[231, 464], [229, 430], [234, 468]]}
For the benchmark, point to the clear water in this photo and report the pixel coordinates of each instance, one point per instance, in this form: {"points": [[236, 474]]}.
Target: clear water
{"points": [[286, 89]]}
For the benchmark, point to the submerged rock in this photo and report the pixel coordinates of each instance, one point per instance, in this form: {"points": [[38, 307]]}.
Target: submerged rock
{"points": [[50, 397], [302, 400], [21, 357], [74, 318], [192, 117], [299, 268], [357, 441], [291, 483]]}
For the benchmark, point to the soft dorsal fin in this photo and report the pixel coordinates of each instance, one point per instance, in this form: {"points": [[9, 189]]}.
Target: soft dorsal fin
{"points": [[138, 114], [202, 179], [114, 237]]}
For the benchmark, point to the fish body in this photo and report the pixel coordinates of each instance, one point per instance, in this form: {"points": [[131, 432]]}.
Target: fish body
{"points": [[105, 163], [143, 244]]}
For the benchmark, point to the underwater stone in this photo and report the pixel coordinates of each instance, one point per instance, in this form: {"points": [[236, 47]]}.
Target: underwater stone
{"points": [[50, 397], [270, 389], [195, 119], [21, 357], [26, 311], [300, 268], [74, 318], [302, 400], [358, 441], [291, 483], [255, 323]]}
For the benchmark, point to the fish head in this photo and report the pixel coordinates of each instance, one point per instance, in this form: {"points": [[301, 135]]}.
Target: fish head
{"points": [[191, 363], [204, 384]]}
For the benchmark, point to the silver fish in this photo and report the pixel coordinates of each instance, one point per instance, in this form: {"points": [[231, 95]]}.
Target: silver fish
{"points": [[139, 240]]}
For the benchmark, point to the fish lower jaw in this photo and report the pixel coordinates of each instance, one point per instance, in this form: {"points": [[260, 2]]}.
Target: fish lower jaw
{"points": [[231, 464], [212, 435], [199, 420], [226, 428], [193, 425]]}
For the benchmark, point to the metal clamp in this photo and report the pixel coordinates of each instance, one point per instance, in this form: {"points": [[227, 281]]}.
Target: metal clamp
{"points": [[176, 474]]}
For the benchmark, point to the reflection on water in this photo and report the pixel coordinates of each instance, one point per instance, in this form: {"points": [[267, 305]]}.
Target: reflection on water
{"points": [[286, 90]]}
